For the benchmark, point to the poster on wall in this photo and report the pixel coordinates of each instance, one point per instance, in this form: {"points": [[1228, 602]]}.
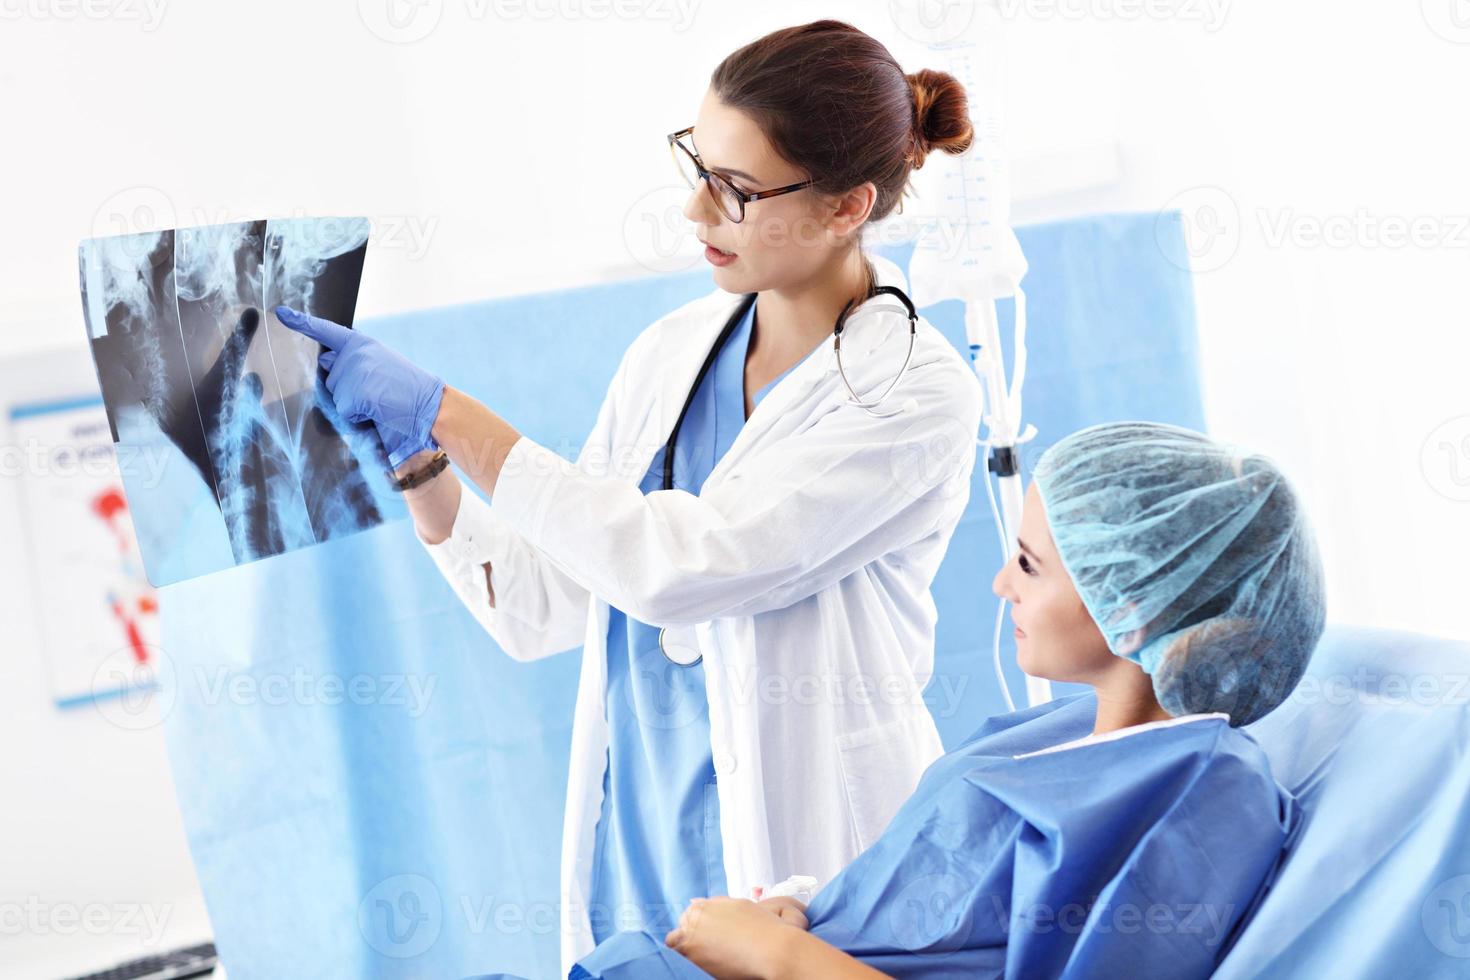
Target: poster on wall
{"points": [[229, 445], [97, 613]]}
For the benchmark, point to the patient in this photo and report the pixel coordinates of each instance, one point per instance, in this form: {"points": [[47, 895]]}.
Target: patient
{"points": [[1130, 831]]}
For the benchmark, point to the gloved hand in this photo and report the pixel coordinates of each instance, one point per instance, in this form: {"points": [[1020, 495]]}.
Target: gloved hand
{"points": [[367, 379]]}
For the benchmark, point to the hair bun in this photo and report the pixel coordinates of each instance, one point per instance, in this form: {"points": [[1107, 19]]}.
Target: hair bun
{"points": [[941, 114]]}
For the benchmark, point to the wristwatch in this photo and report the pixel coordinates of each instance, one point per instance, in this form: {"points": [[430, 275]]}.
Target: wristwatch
{"points": [[424, 474]]}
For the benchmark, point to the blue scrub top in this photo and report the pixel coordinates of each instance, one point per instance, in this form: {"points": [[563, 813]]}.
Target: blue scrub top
{"points": [[658, 833]]}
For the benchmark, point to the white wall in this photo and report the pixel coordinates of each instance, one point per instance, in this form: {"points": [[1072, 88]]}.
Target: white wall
{"points": [[505, 152], [1324, 186]]}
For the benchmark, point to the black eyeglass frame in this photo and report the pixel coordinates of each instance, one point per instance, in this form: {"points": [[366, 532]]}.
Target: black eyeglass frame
{"points": [[705, 174]]}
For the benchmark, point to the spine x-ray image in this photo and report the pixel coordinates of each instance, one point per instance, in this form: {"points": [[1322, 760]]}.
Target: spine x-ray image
{"points": [[229, 445]]}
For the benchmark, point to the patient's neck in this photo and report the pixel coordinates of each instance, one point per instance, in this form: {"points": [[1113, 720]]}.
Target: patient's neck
{"points": [[1126, 698], [1113, 716]]}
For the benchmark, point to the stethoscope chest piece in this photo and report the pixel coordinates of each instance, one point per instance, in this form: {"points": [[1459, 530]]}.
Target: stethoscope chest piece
{"points": [[679, 647]]}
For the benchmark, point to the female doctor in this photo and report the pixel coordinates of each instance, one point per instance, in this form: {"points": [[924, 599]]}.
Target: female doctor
{"points": [[753, 606]]}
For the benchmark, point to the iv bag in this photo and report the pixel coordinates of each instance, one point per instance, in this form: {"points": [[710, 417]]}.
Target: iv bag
{"points": [[959, 211]]}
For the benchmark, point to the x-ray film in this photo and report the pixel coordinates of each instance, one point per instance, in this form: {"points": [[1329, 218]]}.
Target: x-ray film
{"points": [[228, 442]]}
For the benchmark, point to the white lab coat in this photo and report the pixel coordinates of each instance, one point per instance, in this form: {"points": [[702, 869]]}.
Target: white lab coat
{"points": [[801, 572]]}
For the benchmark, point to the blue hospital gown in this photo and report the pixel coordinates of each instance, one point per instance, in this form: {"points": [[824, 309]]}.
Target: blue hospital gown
{"points": [[1137, 856], [658, 833]]}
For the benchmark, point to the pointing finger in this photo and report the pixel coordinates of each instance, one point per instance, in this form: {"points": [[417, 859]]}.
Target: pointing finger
{"points": [[325, 332]]}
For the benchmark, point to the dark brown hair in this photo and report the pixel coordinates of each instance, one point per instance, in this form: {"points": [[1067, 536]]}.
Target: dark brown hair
{"points": [[835, 103]]}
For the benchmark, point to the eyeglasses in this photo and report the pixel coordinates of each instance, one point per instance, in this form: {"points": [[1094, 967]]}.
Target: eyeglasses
{"points": [[730, 199]]}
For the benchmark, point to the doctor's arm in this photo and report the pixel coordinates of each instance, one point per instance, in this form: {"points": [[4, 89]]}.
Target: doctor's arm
{"points": [[806, 512], [528, 606]]}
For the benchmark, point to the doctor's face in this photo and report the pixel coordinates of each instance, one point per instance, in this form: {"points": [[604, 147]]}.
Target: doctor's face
{"points": [[783, 241], [1056, 637]]}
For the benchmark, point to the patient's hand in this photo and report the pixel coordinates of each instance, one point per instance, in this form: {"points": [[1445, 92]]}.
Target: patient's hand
{"points": [[788, 910], [735, 937]]}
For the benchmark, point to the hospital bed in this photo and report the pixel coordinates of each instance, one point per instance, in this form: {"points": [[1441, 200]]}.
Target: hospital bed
{"points": [[432, 799]]}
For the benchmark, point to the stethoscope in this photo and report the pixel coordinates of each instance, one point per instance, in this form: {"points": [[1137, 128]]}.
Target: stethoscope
{"points": [[687, 656]]}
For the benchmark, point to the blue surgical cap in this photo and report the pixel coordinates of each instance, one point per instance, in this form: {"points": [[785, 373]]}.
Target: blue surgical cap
{"points": [[1194, 559]]}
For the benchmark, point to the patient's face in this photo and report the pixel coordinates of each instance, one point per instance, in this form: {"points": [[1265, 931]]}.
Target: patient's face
{"points": [[784, 241], [1060, 641]]}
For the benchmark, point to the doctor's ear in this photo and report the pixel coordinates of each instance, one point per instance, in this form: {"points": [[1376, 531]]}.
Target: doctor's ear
{"points": [[844, 212]]}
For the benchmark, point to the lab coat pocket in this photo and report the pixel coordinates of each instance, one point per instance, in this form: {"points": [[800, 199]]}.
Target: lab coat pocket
{"points": [[880, 767]]}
